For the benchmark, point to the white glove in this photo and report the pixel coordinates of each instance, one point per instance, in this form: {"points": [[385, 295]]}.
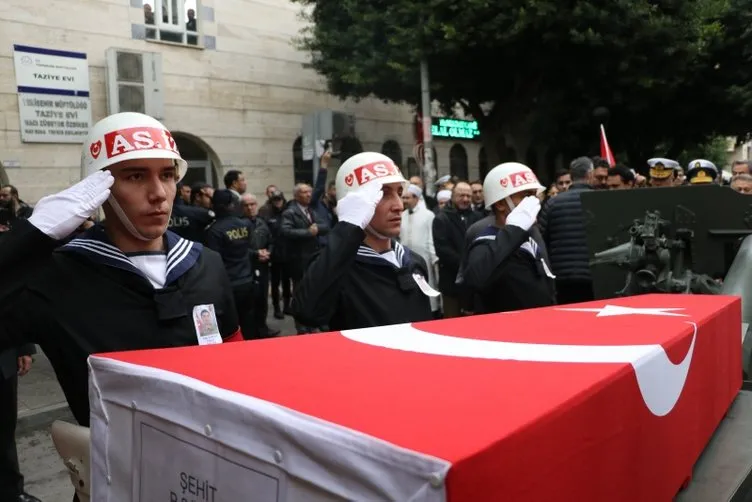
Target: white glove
{"points": [[525, 213], [358, 207], [58, 215]]}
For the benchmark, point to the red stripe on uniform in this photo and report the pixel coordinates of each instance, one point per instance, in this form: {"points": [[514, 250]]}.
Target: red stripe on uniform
{"points": [[235, 337]]}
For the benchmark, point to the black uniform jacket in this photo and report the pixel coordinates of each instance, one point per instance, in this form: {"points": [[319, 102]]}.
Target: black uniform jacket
{"points": [[504, 276], [349, 286], [231, 237], [87, 298], [190, 222]]}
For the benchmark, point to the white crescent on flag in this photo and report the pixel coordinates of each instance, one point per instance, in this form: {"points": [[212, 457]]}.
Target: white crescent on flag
{"points": [[660, 381]]}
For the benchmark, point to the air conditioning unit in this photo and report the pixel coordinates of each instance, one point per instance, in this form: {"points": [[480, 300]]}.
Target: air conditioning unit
{"points": [[134, 82]]}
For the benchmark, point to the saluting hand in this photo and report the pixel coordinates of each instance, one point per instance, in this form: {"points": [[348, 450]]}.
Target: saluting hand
{"points": [[525, 214], [358, 207], [60, 214]]}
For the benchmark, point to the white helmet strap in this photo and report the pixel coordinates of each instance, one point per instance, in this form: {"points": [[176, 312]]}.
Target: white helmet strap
{"points": [[373, 232], [509, 203], [124, 219]]}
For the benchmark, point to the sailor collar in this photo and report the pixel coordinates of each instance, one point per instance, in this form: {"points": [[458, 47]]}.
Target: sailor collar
{"points": [[368, 255], [182, 254]]}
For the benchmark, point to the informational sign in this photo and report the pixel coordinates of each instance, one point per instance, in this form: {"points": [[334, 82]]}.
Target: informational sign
{"points": [[178, 465], [53, 95], [443, 127]]}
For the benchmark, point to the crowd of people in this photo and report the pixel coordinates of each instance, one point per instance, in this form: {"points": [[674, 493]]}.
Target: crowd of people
{"points": [[171, 265]]}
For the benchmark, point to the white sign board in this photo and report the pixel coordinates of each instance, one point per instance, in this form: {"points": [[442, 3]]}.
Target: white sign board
{"points": [[53, 95], [178, 465]]}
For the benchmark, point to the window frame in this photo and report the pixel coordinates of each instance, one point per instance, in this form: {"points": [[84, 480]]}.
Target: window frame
{"points": [[159, 27]]}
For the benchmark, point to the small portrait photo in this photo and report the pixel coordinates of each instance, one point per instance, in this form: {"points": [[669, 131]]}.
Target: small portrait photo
{"points": [[205, 320]]}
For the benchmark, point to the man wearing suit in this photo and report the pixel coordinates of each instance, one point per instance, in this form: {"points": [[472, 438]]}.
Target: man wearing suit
{"points": [[13, 363], [301, 228]]}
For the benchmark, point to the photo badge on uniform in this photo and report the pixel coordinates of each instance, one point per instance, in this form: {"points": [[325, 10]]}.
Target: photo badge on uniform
{"points": [[205, 321], [424, 286]]}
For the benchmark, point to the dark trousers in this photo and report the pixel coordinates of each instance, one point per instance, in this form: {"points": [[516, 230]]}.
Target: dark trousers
{"points": [[280, 276], [261, 301], [572, 291], [11, 480], [244, 299]]}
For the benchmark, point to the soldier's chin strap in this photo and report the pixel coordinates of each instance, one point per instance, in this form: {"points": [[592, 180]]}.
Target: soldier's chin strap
{"points": [[372, 231], [124, 219]]}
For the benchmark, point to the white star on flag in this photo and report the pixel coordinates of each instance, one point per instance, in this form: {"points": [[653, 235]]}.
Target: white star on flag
{"points": [[614, 310]]}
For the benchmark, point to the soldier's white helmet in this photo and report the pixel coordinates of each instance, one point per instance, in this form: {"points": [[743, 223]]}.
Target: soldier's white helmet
{"points": [[508, 179], [127, 136], [365, 167]]}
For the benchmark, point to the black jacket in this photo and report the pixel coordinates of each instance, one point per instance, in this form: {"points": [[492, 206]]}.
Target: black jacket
{"points": [[273, 218], [348, 285], [190, 222], [261, 238], [504, 276], [562, 225], [87, 298], [301, 244], [449, 229], [230, 236]]}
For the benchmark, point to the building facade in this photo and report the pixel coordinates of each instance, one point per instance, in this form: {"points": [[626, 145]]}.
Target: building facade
{"points": [[224, 76]]}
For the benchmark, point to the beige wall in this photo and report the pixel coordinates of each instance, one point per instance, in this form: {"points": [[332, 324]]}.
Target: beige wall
{"points": [[245, 99]]}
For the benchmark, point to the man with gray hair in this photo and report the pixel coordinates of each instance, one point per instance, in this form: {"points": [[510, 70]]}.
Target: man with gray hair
{"points": [[300, 228], [563, 228]]}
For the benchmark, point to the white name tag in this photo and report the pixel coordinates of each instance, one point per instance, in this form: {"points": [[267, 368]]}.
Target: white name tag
{"points": [[424, 286], [205, 322]]}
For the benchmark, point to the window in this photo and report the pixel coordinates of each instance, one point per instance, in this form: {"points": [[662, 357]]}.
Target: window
{"points": [[413, 169], [302, 169], [391, 149], [458, 162], [171, 21]]}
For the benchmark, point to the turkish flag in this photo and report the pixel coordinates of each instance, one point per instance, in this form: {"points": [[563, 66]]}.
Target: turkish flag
{"points": [[606, 400], [606, 152]]}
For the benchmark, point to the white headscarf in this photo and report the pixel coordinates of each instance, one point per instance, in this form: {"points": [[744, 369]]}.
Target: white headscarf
{"points": [[444, 195], [415, 190]]}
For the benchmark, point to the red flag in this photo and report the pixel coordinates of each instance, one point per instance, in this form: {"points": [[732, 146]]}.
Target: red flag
{"points": [[606, 152]]}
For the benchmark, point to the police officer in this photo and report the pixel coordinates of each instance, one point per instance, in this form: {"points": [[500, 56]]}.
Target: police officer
{"points": [[701, 172], [127, 285], [231, 236], [505, 261], [188, 221], [364, 277], [662, 172]]}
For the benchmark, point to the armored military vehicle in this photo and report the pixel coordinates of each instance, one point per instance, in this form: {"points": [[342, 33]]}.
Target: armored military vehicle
{"points": [[684, 240]]}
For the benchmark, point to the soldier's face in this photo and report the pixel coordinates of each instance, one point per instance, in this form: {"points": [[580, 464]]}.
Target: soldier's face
{"points": [[145, 190], [387, 219], [662, 182]]}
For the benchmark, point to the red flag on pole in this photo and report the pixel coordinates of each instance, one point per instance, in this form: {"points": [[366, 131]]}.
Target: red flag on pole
{"points": [[606, 152]]}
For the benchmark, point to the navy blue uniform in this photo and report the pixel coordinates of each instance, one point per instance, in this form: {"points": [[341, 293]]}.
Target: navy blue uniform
{"points": [[231, 236], [190, 222]]}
